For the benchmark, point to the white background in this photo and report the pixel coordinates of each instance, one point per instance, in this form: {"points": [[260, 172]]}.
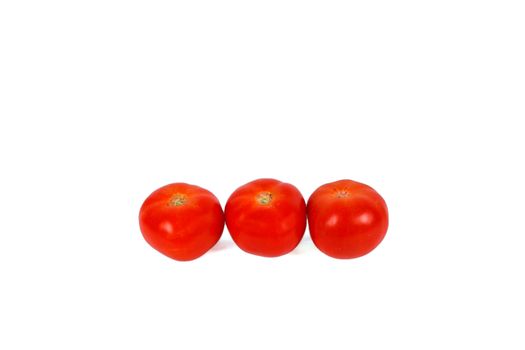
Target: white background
{"points": [[101, 102]]}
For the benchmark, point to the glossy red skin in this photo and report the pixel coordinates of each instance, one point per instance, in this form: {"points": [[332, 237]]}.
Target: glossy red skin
{"points": [[185, 231], [269, 230], [347, 219]]}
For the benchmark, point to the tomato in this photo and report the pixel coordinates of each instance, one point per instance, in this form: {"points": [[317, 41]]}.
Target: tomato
{"points": [[347, 219], [266, 217], [181, 221]]}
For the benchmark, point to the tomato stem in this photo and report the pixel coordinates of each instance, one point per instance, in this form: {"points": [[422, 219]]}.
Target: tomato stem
{"points": [[264, 198], [342, 194], [177, 200]]}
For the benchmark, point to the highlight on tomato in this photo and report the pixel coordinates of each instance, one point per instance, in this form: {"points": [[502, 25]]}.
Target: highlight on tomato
{"points": [[347, 219], [181, 221], [266, 217]]}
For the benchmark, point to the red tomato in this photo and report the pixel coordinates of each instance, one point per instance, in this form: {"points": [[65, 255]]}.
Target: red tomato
{"points": [[181, 221], [266, 217], [347, 219]]}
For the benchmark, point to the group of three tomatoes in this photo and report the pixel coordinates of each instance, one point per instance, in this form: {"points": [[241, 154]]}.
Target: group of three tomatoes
{"points": [[265, 217]]}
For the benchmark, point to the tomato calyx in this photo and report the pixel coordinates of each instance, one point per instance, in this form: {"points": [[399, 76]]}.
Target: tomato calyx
{"points": [[264, 198], [177, 200]]}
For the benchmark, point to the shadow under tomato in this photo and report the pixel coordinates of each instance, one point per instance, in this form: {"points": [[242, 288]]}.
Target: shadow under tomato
{"points": [[222, 245], [304, 247]]}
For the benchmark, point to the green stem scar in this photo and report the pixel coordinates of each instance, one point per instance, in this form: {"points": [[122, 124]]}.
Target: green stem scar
{"points": [[177, 200], [264, 198]]}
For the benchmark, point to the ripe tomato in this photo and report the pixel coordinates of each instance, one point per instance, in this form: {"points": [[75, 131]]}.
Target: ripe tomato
{"points": [[347, 219], [266, 217], [181, 221]]}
